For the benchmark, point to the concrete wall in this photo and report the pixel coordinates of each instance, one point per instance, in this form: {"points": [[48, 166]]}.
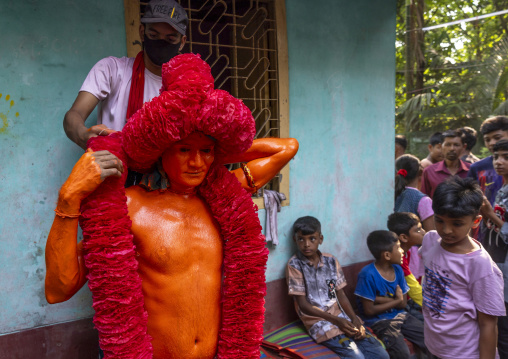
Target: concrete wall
{"points": [[342, 80], [47, 49], [341, 63]]}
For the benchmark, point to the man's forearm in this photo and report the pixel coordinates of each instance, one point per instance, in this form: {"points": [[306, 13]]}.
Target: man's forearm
{"points": [[74, 127], [265, 147], [65, 273], [65, 269], [494, 218], [74, 119]]}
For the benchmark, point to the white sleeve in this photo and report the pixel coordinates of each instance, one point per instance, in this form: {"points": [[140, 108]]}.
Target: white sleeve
{"points": [[98, 81]]}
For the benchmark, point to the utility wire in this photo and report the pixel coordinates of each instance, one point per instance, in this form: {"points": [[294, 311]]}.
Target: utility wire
{"points": [[448, 67], [492, 14]]}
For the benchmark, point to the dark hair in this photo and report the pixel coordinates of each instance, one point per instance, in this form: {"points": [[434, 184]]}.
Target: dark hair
{"points": [[307, 225], [381, 241], [411, 165], [453, 133], [501, 145], [457, 197], [402, 222], [436, 138], [495, 123], [401, 140], [468, 137]]}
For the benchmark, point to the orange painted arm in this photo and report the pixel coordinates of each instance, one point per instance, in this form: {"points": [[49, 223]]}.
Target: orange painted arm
{"points": [[65, 268], [265, 158]]}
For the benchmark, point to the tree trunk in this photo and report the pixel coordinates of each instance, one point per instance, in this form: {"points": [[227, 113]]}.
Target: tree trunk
{"points": [[409, 49], [419, 47]]}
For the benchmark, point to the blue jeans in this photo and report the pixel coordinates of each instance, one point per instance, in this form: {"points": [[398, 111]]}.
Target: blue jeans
{"points": [[346, 348]]}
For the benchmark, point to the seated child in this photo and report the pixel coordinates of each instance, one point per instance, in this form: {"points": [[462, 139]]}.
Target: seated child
{"points": [[409, 230], [495, 240], [316, 282], [462, 286], [381, 290]]}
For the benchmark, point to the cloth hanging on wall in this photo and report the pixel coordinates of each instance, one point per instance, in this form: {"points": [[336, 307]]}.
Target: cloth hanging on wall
{"points": [[273, 201]]}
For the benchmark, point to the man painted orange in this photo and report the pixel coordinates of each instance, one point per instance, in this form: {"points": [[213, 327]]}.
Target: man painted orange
{"points": [[178, 239]]}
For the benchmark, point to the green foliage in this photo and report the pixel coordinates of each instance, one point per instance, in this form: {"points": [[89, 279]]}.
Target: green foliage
{"points": [[484, 152], [465, 67]]}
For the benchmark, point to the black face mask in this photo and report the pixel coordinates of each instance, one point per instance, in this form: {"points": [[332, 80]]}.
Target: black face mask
{"points": [[160, 51]]}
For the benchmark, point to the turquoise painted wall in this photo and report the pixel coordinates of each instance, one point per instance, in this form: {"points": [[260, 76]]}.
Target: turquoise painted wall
{"points": [[341, 64], [342, 80], [47, 49]]}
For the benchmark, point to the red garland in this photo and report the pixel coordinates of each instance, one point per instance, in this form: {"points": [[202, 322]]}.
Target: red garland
{"points": [[187, 104], [245, 257], [113, 279]]}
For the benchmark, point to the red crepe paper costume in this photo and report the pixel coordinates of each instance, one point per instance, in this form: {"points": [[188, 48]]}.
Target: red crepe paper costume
{"points": [[188, 103]]}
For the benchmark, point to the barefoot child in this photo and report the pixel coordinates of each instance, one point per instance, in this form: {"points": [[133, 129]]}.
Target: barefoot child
{"points": [[462, 287]]}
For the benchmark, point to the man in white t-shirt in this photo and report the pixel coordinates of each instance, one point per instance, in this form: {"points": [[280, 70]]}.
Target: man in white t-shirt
{"points": [[120, 86]]}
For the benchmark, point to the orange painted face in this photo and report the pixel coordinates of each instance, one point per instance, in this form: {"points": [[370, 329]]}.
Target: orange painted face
{"points": [[187, 162]]}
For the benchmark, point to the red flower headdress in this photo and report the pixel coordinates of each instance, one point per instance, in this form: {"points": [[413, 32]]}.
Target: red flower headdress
{"points": [[187, 103]]}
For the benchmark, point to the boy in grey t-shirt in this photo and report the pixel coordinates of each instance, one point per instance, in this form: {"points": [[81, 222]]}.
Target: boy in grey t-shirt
{"points": [[316, 282]]}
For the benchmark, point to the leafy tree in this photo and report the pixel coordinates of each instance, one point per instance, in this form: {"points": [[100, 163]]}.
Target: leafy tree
{"points": [[451, 76]]}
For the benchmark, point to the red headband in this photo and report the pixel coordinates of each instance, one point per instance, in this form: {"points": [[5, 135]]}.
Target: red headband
{"points": [[402, 172]]}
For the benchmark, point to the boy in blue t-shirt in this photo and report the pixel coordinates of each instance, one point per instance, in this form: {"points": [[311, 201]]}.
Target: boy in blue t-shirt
{"points": [[381, 290]]}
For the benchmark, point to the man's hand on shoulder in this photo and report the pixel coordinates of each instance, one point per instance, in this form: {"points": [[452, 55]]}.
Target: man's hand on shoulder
{"points": [[86, 175], [84, 134], [108, 163], [94, 131]]}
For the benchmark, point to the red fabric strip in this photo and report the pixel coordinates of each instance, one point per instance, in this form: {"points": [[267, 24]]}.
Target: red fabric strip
{"points": [[137, 85]]}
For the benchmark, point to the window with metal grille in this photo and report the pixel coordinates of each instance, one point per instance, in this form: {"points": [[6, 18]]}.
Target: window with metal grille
{"points": [[245, 44]]}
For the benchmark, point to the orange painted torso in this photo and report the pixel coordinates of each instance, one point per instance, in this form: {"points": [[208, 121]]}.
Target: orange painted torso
{"points": [[179, 250]]}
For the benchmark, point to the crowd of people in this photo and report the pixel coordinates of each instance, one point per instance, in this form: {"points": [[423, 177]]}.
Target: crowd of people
{"points": [[439, 278]]}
